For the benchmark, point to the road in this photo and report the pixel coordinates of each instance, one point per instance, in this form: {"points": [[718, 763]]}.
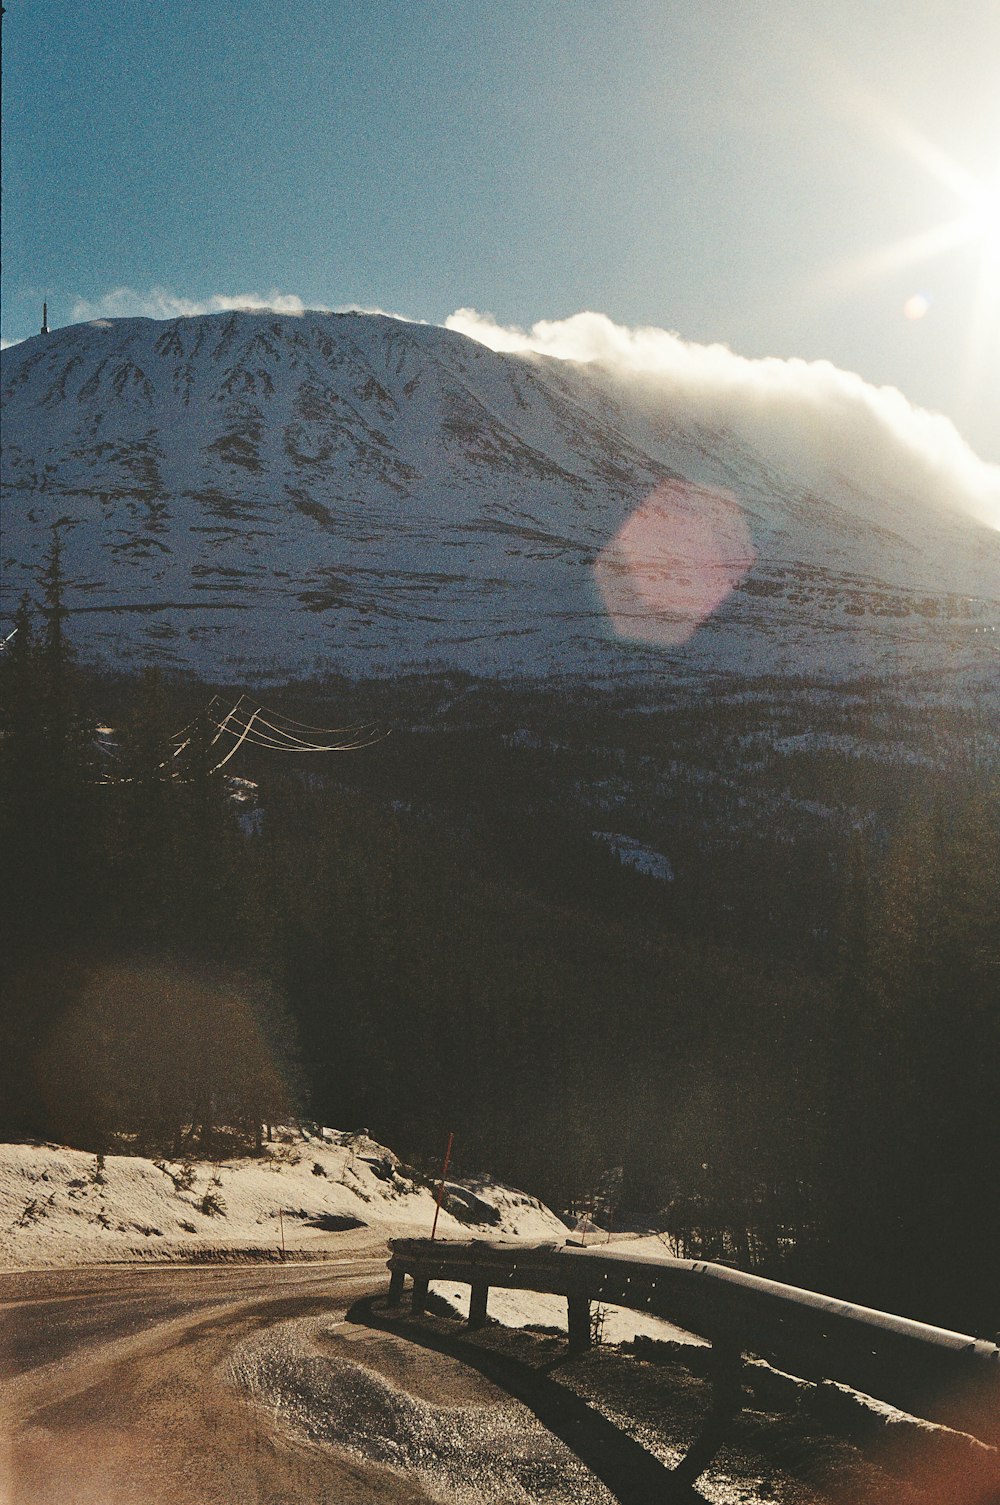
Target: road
{"points": [[117, 1389], [251, 1385], [241, 1385]]}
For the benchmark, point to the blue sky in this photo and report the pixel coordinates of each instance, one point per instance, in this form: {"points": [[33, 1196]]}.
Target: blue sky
{"points": [[745, 173]]}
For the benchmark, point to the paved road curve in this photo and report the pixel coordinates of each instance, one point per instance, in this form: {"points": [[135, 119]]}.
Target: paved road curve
{"points": [[116, 1387], [243, 1385]]}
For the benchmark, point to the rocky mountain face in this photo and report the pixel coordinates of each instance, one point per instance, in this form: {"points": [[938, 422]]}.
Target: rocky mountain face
{"points": [[264, 495]]}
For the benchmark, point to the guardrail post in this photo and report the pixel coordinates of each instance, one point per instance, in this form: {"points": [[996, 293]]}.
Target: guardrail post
{"points": [[578, 1318], [477, 1305], [396, 1287], [418, 1301]]}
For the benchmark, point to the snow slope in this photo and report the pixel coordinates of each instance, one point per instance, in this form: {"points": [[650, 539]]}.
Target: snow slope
{"points": [[258, 494], [65, 1207]]}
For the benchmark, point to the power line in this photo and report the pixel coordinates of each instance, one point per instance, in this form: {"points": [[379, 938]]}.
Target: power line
{"points": [[260, 727]]}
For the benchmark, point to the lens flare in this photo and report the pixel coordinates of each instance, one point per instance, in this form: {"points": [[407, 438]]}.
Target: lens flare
{"points": [[673, 563]]}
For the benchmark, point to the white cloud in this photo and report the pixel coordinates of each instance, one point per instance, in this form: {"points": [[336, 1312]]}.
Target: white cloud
{"points": [[825, 419], [6, 344], [160, 303]]}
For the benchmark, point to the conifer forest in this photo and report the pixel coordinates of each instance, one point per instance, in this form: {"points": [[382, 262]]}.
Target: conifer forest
{"points": [[782, 1052]]}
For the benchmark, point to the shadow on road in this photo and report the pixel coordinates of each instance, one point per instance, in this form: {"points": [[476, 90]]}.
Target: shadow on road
{"points": [[632, 1474]]}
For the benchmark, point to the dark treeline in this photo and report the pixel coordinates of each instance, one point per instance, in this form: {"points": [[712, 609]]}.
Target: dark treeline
{"points": [[138, 1004], [461, 956]]}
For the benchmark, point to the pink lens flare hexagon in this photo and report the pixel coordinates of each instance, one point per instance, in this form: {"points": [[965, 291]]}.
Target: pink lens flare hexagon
{"points": [[673, 563]]}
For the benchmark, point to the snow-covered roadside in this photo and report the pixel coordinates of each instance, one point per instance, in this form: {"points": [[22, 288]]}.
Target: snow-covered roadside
{"points": [[904, 1442], [318, 1192], [614, 1324]]}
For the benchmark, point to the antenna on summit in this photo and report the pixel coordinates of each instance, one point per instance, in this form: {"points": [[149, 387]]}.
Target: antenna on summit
{"points": [[45, 319]]}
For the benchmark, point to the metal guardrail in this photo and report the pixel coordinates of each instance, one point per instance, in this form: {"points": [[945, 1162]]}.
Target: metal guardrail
{"points": [[932, 1373]]}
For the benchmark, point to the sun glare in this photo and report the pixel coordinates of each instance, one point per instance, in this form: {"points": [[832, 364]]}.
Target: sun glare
{"points": [[972, 229], [974, 223], [986, 221]]}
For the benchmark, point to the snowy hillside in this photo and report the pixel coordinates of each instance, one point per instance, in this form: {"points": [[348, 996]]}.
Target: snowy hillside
{"points": [[264, 494], [314, 1192]]}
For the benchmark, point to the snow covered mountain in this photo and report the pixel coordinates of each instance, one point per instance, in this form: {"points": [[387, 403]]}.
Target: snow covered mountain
{"points": [[258, 494]]}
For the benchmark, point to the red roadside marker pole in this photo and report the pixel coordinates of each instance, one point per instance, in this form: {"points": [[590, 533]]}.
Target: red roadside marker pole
{"points": [[444, 1172]]}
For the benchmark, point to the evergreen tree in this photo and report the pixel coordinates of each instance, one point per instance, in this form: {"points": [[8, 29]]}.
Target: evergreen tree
{"points": [[48, 825], [911, 1105]]}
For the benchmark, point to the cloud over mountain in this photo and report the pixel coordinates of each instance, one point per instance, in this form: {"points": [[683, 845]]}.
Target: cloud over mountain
{"points": [[808, 413], [161, 303]]}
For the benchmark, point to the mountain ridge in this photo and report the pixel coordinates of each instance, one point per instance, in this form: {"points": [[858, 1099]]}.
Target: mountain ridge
{"points": [[283, 494]]}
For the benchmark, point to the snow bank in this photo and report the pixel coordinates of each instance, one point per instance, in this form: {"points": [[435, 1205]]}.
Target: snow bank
{"points": [[614, 1324], [317, 1192]]}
